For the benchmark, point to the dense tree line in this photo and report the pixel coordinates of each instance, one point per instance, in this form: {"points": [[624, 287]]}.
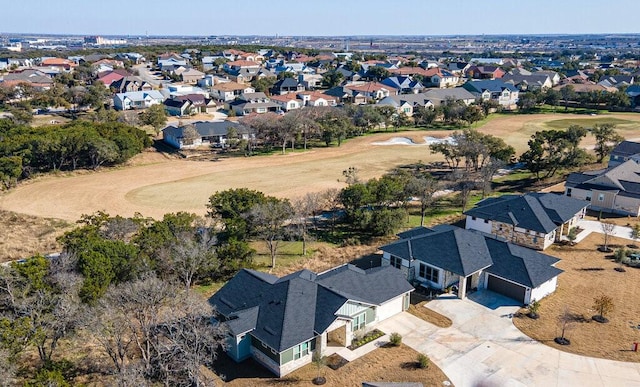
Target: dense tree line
{"points": [[551, 150], [25, 150]]}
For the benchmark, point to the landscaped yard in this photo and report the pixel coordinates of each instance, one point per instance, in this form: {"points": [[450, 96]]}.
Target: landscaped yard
{"points": [[589, 274], [392, 364]]}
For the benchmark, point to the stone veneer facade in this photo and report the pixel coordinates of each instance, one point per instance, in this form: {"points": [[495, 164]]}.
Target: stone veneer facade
{"points": [[518, 236]]}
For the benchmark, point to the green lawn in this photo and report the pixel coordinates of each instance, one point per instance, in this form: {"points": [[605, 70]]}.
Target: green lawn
{"points": [[586, 122]]}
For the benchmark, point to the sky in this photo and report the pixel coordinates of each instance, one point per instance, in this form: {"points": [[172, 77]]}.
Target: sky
{"points": [[314, 18]]}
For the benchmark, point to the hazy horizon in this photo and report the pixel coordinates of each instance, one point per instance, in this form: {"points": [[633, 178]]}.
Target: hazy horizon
{"points": [[330, 18]]}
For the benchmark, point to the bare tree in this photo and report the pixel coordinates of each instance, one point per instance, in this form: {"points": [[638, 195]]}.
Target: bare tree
{"points": [[143, 303], [486, 173], [423, 188], [8, 369], [193, 255], [607, 231], [269, 219], [189, 340], [351, 175], [565, 322], [331, 202]]}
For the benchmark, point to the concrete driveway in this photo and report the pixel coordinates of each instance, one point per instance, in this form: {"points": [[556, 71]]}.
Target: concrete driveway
{"points": [[483, 347]]}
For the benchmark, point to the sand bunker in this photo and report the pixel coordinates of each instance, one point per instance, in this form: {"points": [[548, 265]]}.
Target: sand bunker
{"points": [[407, 141]]}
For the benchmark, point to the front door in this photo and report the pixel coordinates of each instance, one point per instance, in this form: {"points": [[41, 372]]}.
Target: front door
{"points": [[468, 285]]}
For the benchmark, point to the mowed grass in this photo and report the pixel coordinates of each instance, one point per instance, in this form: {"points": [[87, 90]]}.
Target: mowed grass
{"points": [[173, 185], [587, 122]]}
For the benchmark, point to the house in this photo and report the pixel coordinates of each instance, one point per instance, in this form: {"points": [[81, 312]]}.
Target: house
{"points": [[177, 107], [310, 81], [37, 79], [633, 92], [283, 322], [287, 101], [446, 256], [130, 83], [485, 72], [362, 93], [248, 103], [207, 133], [228, 91], [530, 82], [440, 96], [137, 99], [285, 86], [406, 103], [191, 76], [534, 220], [181, 105], [437, 77], [59, 63], [617, 81], [505, 94], [615, 189], [109, 78], [316, 98], [406, 85], [624, 151], [458, 68]]}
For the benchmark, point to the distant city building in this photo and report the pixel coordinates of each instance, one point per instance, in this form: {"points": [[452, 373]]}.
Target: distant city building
{"points": [[100, 41]]}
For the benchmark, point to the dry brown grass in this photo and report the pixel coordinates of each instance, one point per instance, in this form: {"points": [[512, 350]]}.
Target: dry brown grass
{"points": [[422, 312], [392, 364], [22, 236], [162, 185], [588, 274]]}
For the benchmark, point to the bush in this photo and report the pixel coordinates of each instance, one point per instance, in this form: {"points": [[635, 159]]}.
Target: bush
{"points": [[423, 361], [395, 339]]}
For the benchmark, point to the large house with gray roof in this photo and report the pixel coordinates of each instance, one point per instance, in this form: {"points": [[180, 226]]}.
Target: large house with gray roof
{"points": [[505, 94], [282, 322], [626, 150], [534, 220], [207, 133], [615, 189], [448, 256]]}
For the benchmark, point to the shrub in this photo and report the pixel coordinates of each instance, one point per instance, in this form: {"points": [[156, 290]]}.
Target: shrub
{"points": [[423, 361], [395, 339]]}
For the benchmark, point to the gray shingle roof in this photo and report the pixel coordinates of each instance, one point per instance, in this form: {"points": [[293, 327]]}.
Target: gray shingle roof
{"points": [[441, 247], [453, 249], [283, 312], [520, 264], [626, 149], [207, 128], [540, 212], [624, 177], [492, 85]]}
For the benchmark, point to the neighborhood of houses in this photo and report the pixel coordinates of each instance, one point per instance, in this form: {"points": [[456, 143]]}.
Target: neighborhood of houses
{"points": [[194, 82], [282, 322]]}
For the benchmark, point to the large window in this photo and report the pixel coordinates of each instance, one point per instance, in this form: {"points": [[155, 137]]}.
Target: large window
{"points": [[358, 322], [429, 273], [301, 350], [396, 262]]}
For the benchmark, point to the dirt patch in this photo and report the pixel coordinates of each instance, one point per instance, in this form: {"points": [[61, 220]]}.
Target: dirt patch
{"points": [[381, 365], [22, 236], [589, 274]]}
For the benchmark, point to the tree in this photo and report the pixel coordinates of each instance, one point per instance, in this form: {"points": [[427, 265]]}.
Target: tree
{"points": [[263, 84], [606, 139], [566, 321], [567, 93], [332, 78], [193, 256], [550, 150], [423, 188], [527, 102], [268, 219], [635, 232], [351, 175], [487, 172], [603, 305], [230, 206], [377, 73], [572, 235], [607, 231], [155, 116]]}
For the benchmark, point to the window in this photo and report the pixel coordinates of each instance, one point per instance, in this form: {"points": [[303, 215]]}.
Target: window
{"points": [[588, 198], [429, 273], [486, 221], [396, 262], [358, 322], [473, 218], [600, 197], [569, 192], [301, 350]]}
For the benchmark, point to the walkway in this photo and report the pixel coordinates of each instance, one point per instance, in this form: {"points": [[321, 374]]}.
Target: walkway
{"points": [[483, 347], [590, 226]]}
